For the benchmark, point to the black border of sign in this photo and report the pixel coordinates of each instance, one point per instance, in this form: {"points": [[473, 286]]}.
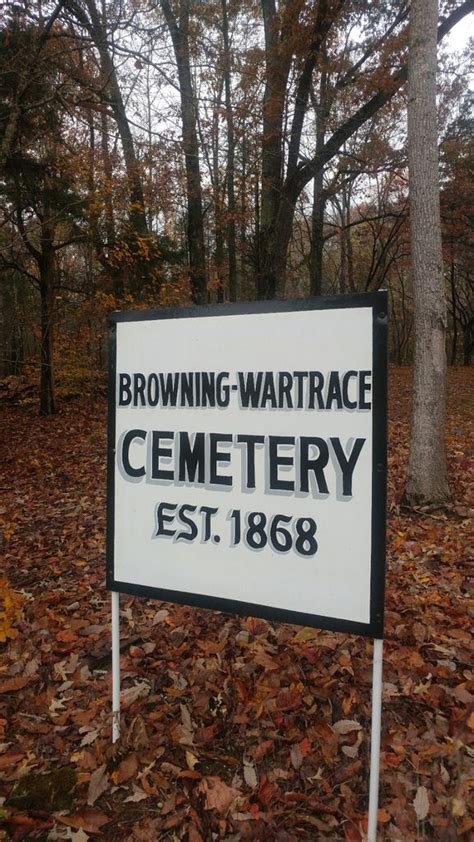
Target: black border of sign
{"points": [[378, 301]]}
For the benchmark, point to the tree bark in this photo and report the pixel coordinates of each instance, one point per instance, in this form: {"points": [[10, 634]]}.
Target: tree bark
{"points": [[427, 471], [319, 196], [178, 29], [231, 245]]}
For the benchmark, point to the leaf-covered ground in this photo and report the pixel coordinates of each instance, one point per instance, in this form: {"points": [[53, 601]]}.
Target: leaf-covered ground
{"points": [[233, 729]]}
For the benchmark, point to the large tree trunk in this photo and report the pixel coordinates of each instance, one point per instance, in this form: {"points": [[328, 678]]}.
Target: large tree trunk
{"points": [[278, 62], [195, 227], [427, 475]]}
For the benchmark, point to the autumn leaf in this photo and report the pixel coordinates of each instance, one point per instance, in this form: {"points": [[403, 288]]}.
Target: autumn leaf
{"points": [[90, 821], [421, 803], [98, 784], [218, 795], [346, 726], [11, 685], [286, 714]]}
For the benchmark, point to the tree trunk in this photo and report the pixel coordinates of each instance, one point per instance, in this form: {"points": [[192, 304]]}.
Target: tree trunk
{"points": [[46, 280], [427, 472], [218, 199], [346, 198], [231, 247], [98, 33], [195, 225], [278, 62], [319, 197], [114, 271]]}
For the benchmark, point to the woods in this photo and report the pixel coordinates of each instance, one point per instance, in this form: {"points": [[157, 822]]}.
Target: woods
{"points": [[187, 153], [208, 152]]}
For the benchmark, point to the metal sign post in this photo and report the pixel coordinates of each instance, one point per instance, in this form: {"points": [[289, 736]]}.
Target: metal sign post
{"points": [[115, 666], [375, 740]]}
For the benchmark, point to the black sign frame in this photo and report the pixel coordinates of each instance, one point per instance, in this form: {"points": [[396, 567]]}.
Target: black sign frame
{"points": [[378, 302]]}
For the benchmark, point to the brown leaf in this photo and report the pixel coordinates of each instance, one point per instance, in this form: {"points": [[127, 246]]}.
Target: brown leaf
{"points": [[11, 685], [137, 795], [137, 737], [296, 756], [421, 803], [345, 726], [128, 768], [90, 821], [193, 834], [98, 784], [262, 749], [218, 795], [250, 774], [131, 694], [289, 700]]}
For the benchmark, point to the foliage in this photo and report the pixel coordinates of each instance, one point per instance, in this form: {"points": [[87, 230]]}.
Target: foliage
{"points": [[232, 728], [10, 601]]}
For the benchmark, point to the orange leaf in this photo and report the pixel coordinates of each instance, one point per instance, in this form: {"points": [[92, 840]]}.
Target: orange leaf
{"points": [[66, 636], [90, 821], [10, 685]]}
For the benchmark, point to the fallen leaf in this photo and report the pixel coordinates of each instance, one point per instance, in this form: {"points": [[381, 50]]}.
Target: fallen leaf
{"points": [[137, 795], [345, 726], [131, 694], [250, 773], [421, 803], [137, 737], [218, 795], [11, 685], [89, 738], [127, 769], [98, 784], [191, 760], [89, 821], [458, 808], [296, 756]]}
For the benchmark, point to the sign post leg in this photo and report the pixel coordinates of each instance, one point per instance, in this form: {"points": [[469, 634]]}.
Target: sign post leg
{"points": [[375, 740], [115, 666]]}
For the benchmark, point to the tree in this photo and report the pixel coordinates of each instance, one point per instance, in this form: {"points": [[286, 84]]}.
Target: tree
{"points": [[284, 180], [427, 471], [179, 30], [26, 71], [40, 208]]}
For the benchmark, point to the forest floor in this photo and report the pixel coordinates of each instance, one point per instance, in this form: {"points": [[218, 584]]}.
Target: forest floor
{"points": [[233, 729]]}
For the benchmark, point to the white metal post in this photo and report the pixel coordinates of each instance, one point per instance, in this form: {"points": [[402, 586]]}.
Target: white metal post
{"points": [[115, 666], [375, 740]]}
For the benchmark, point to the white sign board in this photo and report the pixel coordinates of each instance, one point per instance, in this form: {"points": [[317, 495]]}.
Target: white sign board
{"points": [[247, 459]]}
